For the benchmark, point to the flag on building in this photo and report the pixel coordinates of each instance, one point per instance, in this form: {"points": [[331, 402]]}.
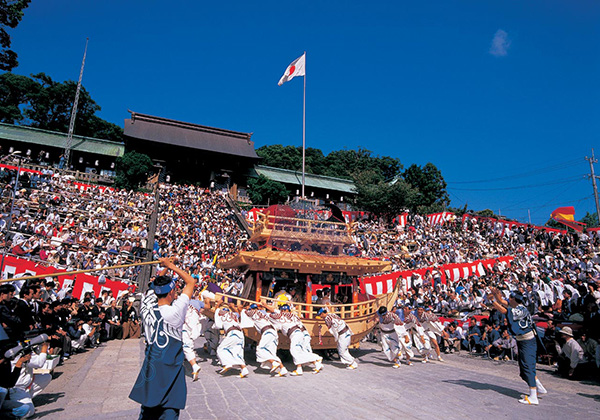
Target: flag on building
{"points": [[294, 69]]}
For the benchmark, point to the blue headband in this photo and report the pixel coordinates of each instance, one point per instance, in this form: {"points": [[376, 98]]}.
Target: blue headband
{"points": [[163, 290]]}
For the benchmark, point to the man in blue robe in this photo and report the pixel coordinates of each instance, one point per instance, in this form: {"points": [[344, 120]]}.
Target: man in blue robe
{"points": [[160, 387]]}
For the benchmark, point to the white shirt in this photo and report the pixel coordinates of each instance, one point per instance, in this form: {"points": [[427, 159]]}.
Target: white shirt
{"points": [[574, 352], [174, 314]]}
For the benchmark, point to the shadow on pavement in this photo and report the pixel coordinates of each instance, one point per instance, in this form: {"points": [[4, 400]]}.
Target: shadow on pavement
{"points": [[40, 414], [44, 399], [480, 386], [595, 397]]}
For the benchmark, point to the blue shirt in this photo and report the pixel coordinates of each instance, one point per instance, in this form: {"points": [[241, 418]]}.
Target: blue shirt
{"points": [[519, 320]]}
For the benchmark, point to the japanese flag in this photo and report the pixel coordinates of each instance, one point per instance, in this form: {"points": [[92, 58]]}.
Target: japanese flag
{"points": [[294, 69]]}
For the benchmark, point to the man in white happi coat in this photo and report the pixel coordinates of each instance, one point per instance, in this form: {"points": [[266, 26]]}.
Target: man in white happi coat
{"points": [[289, 324], [420, 339], [266, 350], [342, 334], [211, 334], [395, 339], [433, 328], [192, 329], [231, 350]]}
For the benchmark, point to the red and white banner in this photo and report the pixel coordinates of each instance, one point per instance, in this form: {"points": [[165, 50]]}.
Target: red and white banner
{"points": [[385, 283], [436, 219], [401, 219], [81, 283], [508, 224], [252, 215], [80, 185]]}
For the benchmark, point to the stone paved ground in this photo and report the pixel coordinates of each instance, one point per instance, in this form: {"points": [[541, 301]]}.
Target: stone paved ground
{"points": [[95, 385]]}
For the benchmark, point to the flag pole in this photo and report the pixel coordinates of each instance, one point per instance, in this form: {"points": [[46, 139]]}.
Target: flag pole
{"points": [[304, 128]]}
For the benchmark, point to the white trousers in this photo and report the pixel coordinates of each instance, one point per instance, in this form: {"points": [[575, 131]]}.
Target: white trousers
{"points": [[343, 343], [80, 342], [267, 348], [301, 354], [231, 350]]}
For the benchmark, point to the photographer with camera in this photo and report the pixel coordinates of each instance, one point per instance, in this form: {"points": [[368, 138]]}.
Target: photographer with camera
{"points": [[28, 385], [8, 378], [77, 334]]}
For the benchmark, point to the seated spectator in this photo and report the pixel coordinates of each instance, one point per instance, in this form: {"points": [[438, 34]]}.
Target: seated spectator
{"points": [[570, 356], [505, 347], [591, 350], [77, 335], [473, 337]]}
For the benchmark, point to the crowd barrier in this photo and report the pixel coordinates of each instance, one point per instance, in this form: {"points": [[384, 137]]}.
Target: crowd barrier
{"points": [[81, 283]]}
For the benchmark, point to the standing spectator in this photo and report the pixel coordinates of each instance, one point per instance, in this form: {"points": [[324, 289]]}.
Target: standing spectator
{"points": [[129, 320], [113, 316]]}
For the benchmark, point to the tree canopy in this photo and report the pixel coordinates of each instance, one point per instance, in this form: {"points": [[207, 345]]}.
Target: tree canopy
{"points": [[132, 170], [590, 219], [381, 198], [431, 188], [263, 190], [382, 188], [41, 102], [11, 13], [340, 163]]}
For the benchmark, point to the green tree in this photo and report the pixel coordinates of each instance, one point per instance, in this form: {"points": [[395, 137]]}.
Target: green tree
{"points": [[44, 103], [14, 95], [431, 187], [486, 213], [384, 199], [279, 156], [11, 13], [590, 219], [263, 190], [132, 170]]}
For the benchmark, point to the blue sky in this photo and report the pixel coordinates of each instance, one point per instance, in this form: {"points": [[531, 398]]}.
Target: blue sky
{"points": [[504, 92]]}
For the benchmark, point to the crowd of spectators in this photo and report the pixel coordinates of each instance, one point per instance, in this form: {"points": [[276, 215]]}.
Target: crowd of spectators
{"points": [[65, 325], [198, 226], [56, 223], [558, 273]]}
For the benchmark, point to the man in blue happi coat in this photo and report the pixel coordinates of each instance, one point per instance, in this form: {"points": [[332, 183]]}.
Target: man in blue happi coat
{"points": [[160, 387]]}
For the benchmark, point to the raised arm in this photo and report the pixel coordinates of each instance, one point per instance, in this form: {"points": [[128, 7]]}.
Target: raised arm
{"points": [[190, 282]]}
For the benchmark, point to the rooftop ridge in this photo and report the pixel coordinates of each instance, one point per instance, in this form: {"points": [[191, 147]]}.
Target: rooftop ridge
{"points": [[349, 181], [182, 124], [56, 133]]}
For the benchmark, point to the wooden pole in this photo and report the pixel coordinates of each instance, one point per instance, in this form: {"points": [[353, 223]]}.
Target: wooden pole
{"points": [[70, 273]]}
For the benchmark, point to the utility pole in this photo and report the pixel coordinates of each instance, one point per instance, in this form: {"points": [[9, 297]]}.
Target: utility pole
{"points": [[16, 154], [593, 160], [74, 111]]}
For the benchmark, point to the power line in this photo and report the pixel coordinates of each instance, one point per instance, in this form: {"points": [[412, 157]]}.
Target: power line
{"points": [[555, 182], [547, 169]]}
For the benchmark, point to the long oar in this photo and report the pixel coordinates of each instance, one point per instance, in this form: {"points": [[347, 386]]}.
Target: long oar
{"points": [[70, 273]]}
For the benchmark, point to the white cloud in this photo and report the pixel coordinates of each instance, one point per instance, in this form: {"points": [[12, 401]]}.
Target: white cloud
{"points": [[500, 44]]}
